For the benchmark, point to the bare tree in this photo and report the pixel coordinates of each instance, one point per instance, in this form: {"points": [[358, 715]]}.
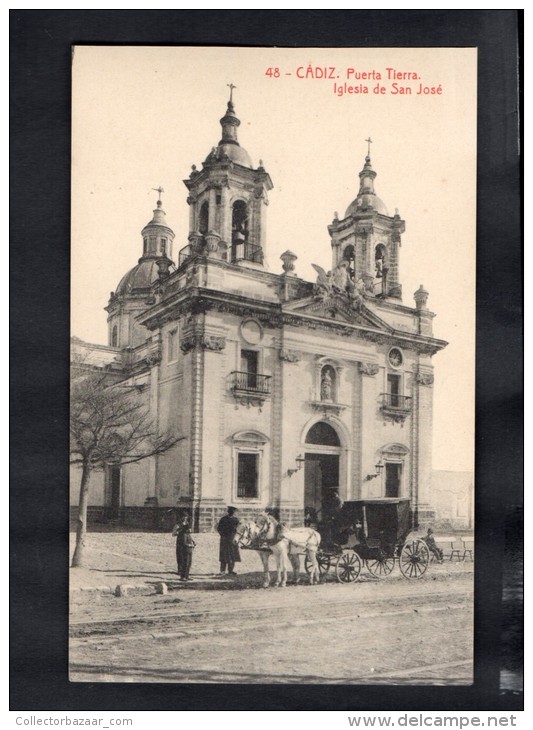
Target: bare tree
{"points": [[109, 424]]}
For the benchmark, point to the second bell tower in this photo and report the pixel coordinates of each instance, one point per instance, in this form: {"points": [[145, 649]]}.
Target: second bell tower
{"points": [[228, 199]]}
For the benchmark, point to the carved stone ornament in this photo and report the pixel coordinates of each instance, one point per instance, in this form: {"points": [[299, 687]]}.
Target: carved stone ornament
{"points": [[424, 378], [290, 355], [211, 342], [188, 342], [206, 342], [368, 368], [153, 358], [328, 409], [249, 401]]}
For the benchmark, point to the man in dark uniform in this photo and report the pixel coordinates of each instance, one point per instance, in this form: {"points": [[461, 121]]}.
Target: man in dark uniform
{"points": [[229, 551], [181, 528]]}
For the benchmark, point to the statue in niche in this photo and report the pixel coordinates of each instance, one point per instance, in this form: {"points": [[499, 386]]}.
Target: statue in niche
{"points": [[326, 385]]}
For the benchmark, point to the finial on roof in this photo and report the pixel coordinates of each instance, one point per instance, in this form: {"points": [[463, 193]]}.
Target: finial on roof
{"points": [[369, 140], [231, 87]]}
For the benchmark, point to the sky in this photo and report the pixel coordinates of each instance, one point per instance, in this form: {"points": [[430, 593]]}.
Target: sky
{"points": [[143, 115]]}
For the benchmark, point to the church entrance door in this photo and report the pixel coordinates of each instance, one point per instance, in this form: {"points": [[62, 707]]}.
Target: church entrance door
{"points": [[321, 474]]}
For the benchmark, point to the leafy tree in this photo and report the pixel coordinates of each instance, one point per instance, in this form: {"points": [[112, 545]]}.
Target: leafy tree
{"points": [[109, 424]]}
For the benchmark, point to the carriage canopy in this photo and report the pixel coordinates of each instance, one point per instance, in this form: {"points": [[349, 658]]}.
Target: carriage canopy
{"points": [[387, 520]]}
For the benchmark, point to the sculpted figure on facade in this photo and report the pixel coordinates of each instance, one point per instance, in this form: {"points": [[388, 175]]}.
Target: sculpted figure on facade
{"points": [[341, 277], [368, 368], [326, 385], [324, 284]]}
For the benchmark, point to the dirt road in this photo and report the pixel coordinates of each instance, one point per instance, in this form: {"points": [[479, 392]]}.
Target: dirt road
{"points": [[389, 631]]}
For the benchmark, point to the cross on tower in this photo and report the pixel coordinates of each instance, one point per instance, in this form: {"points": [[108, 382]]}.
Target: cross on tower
{"points": [[231, 87], [159, 190], [369, 140]]}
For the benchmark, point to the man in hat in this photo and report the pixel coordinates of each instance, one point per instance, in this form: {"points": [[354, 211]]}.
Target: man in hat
{"points": [[432, 545], [229, 551], [184, 546]]}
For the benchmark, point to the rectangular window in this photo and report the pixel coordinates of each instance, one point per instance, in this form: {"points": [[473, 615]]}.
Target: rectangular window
{"points": [[247, 468], [172, 345], [393, 386], [393, 473]]}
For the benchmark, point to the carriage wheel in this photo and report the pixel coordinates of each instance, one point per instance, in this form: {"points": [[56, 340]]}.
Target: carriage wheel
{"points": [[323, 564], [414, 559], [380, 567], [348, 567]]}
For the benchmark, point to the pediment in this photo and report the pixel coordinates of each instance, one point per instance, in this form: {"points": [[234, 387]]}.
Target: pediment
{"points": [[338, 308]]}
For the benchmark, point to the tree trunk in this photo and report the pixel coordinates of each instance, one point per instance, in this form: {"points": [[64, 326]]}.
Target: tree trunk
{"points": [[77, 559]]}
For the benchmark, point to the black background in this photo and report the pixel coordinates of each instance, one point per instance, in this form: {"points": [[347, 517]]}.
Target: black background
{"points": [[39, 337]]}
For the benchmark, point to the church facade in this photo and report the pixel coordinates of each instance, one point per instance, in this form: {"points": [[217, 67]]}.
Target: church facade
{"points": [[284, 390]]}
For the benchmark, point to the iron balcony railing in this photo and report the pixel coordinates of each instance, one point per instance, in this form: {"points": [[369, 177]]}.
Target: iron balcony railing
{"points": [[246, 252], [394, 401], [251, 382]]}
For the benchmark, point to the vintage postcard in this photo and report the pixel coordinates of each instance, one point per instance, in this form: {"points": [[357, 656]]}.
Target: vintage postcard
{"points": [[273, 320]]}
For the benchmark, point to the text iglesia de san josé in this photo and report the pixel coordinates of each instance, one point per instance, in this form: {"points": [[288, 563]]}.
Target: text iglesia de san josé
{"points": [[282, 389]]}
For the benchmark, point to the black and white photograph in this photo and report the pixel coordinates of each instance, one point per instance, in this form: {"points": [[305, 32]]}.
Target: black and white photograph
{"points": [[272, 365]]}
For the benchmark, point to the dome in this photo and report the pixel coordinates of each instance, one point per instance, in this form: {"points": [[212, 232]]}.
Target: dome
{"points": [[234, 152], [237, 154], [141, 276], [365, 201]]}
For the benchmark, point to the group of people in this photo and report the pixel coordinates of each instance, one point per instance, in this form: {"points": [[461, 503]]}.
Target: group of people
{"points": [[227, 529], [228, 551]]}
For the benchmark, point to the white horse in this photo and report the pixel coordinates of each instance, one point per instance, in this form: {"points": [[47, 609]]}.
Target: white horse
{"points": [[286, 544]]}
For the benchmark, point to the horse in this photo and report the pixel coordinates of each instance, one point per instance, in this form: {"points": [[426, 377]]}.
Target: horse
{"points": [[286, 544]]}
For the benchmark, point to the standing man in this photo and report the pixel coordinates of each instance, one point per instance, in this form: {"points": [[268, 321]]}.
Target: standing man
{"points": [[184, 546], [178, 532], [229, 551]]}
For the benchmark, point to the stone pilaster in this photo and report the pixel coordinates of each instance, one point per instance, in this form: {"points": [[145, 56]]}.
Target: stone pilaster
{"points": [[276, 426]]}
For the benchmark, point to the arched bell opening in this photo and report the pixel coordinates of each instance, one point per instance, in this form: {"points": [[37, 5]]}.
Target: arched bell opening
{"points": [[239, 231], [349, 256], [203, 222]]}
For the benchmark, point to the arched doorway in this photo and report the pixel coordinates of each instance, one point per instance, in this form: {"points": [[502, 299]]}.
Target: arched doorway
{"points": [[322, 465]]}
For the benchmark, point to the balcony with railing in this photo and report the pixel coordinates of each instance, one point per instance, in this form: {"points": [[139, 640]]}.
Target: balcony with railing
{"points": [[250, 388], [397, 407], [246, 252]]}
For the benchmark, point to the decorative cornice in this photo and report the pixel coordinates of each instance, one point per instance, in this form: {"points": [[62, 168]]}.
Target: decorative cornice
{"points": [[199, 301], [368, 368]]}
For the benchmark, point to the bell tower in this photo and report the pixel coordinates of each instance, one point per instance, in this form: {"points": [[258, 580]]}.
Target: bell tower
{"points": [[369, 239], [129, 299], [227, 200]]}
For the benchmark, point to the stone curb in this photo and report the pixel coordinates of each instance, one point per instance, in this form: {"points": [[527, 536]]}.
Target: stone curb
{"points": [[126, 589]]}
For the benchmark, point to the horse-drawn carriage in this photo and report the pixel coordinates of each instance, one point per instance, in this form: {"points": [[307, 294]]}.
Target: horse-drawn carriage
{"points": [[376, 533]]}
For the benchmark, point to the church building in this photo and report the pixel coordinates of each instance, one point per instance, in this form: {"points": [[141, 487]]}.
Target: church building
{"points": [[284, 390]]}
